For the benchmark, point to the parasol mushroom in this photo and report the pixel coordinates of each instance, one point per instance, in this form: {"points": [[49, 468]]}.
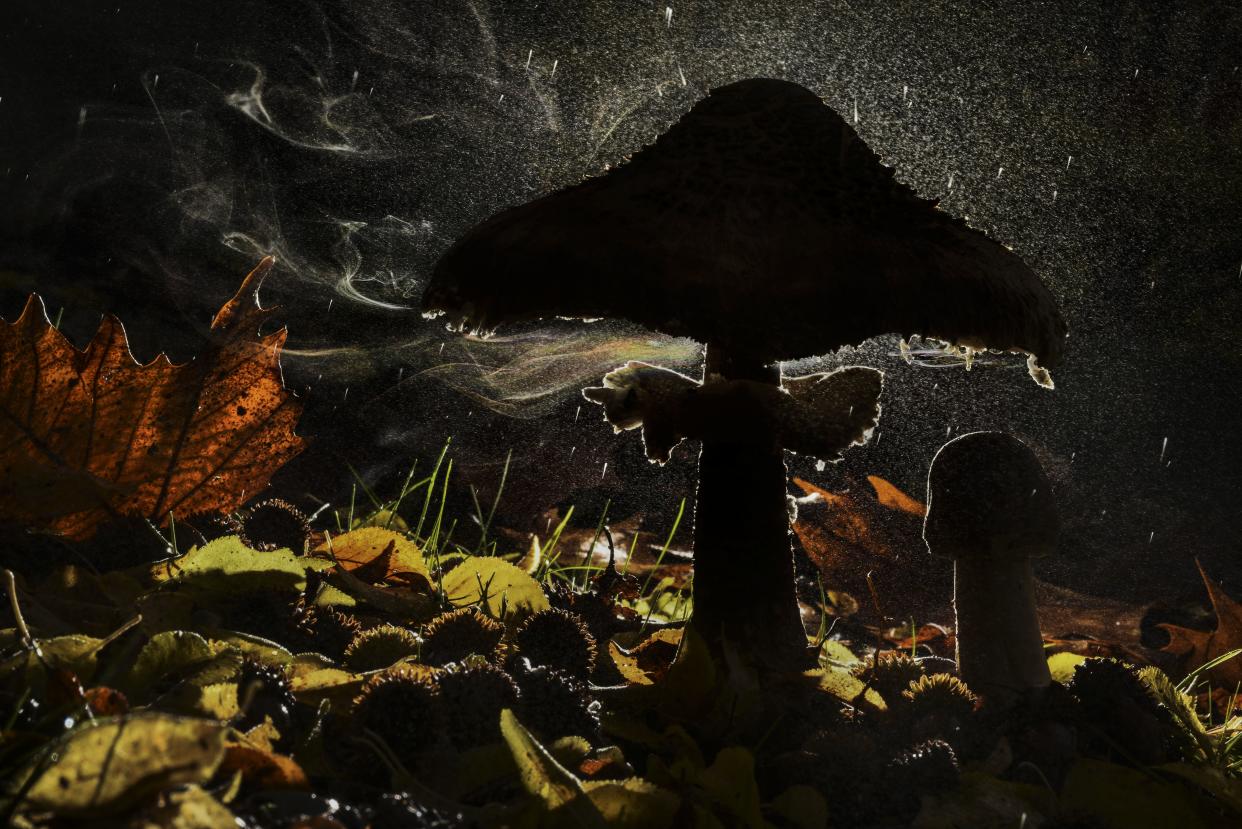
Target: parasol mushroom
{"points": [[990, 508], [761, 225]]}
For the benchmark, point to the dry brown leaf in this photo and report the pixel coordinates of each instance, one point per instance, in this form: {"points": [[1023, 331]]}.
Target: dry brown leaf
{"points": [[87, 436], [1197, 646], [893, 498], [264, 769], [649, 661], [869, 544]]}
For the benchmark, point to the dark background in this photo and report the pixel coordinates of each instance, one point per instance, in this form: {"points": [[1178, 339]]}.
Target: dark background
{"points": [[151, 152]]}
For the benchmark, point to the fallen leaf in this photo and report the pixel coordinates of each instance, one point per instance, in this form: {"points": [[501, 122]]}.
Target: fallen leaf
{"points": [[107, 765], [544, 777], [503, 584], [377, 555], [264, 770], [191, 808], [171, 652], [868, 543], [1062, 666], [649, 661], [1198, 647], [633, 803], [227, 567], [893, 498], [730, 782], [91, 435]]}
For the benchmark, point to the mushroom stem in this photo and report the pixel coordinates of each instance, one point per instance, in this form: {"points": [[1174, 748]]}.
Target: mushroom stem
{"points": [[1005, 657], [990, 508], [743, 560]]}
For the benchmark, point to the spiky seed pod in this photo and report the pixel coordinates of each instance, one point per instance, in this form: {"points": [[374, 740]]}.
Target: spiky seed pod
{"points": [[473, 699], [553, 704], [326, 629], [939, 695], [275, 524], [890, 674], [1118, 711], [404, 708], [454, 636], [597, 612], [557, 639], [926, 768], [940, 706], [264, 691], [1098, 685], [205, 527], [380, 647]]}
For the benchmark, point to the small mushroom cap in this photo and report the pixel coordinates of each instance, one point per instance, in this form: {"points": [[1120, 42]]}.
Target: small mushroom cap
{"points": [[988, 497], [761, 223]]}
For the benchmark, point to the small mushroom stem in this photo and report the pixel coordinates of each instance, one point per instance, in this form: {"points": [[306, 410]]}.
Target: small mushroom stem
{"points": [[743, 561], [999, 647]]}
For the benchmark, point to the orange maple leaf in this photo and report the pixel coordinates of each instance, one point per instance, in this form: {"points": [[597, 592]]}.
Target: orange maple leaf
{"points": [[1198, 647], [87, 436]]}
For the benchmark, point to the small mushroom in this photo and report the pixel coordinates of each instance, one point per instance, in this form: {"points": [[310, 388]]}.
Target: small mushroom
{"points": [[761, 225], [991, 510]]}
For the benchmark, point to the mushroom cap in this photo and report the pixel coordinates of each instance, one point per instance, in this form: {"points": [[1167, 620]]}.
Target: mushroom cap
{"points": [[988, 498], [761, 223]]}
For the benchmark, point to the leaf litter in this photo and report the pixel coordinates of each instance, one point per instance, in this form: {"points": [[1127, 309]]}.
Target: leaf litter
{"points": [[212, 683]]}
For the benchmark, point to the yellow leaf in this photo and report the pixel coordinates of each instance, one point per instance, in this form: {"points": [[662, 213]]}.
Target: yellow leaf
{"points": [[545, 778], [360, 551], [503, 583], [846, 687], [191, 808], [111, 764], [633, 803], [1062, 665], [226, 565], [730, 782]]}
